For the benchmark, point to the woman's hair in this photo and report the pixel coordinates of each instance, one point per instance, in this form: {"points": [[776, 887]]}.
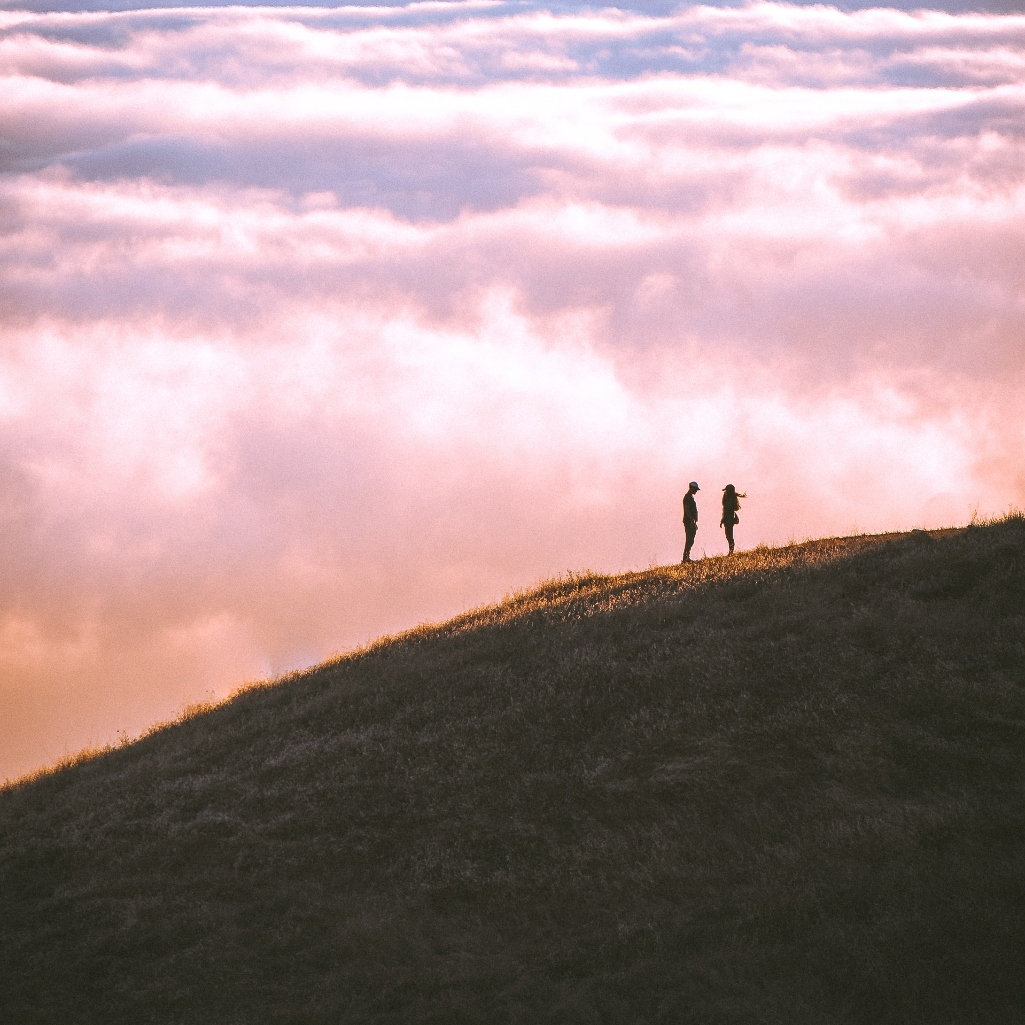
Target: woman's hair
{"points": [[730, 488]]}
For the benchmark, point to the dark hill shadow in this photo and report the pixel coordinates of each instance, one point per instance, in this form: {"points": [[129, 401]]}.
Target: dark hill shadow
{"points": [[784, 787]]}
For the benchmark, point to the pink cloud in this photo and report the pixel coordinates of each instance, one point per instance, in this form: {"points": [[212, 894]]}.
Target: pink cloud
{"points": [[317, 324]]}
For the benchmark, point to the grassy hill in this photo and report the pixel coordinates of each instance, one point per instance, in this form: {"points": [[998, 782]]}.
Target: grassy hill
{"points": [[786, 787]]}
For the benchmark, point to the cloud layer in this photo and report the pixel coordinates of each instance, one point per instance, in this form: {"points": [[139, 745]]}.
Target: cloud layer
{"points": [[317, 323]]}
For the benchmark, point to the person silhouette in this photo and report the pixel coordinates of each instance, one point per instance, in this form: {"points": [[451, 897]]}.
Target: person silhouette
{"points": [[690, 518], [730, 505]]}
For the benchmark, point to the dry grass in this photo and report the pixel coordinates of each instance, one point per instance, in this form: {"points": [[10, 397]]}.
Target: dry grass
{"points": [[782, 787]]}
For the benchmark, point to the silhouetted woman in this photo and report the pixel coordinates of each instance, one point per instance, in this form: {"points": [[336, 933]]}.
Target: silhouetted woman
{"points": [[730, 505]]}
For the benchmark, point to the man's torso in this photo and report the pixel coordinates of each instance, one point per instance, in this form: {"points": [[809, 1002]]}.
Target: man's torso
{"points": [[690, 509]]}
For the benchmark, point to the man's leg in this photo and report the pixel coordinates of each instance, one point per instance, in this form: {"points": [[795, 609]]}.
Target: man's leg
{"points": [[691, 532]]}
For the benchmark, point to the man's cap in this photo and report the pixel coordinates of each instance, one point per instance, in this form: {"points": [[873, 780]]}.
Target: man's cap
{"points": [[694, 485]]}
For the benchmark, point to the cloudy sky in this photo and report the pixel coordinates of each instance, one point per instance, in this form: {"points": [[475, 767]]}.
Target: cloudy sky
{"points": [[317, 323]]}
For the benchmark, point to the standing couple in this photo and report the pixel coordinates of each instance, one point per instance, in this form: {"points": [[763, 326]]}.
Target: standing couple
{"points": [[730, 505]]}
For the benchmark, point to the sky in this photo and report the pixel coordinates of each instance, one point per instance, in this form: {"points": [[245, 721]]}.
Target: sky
{"points": [[319, 323]]}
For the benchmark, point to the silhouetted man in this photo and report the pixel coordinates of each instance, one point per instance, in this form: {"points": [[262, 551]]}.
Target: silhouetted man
{"points": [[690, 518]]}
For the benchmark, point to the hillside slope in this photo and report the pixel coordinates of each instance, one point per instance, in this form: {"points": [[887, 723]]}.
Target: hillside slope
{"points": [[785, 787]]}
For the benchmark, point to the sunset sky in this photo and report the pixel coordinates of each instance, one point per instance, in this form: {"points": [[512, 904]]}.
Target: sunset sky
{"points": [[318, 323]]}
